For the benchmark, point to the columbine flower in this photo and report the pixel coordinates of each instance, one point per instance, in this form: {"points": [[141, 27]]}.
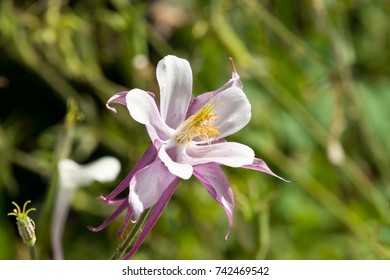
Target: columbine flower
{"points": [[71, 176], [187, 138]]}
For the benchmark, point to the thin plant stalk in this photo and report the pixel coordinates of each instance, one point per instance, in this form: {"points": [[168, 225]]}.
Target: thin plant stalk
{"points": [[126, 244]]}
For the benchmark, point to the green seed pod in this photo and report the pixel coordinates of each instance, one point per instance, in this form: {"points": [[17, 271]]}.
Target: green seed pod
{"points": [[26, 225]]}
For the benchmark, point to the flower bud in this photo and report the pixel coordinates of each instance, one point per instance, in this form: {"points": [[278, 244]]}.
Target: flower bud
{"points": [[26, 225]]}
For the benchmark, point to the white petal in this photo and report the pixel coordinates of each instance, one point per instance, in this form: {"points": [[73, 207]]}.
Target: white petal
{"points": [[73, 175], [227, 153], [144, 110], [182, 170], [233, 110], [147, 186], [60, 214], [105, 169], [174, 76], [198, 102], [70, 176]]}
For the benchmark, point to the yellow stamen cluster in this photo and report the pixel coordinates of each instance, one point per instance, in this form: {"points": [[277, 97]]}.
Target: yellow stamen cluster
{"points": [[199, 125]]}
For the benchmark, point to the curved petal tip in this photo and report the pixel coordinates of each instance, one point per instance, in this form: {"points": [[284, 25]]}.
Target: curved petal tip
{"points": [[91, 228], [119, 98]]}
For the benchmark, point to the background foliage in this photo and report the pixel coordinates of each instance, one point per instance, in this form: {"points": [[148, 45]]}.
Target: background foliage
{"points": [[316, 73]]}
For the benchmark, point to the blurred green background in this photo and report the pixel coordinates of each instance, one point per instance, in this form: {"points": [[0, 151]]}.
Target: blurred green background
{"points": [[316, 73]]}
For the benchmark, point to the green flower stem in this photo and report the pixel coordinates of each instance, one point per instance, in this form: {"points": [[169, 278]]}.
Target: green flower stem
{"points": [[264, 233], [43, 224], [32, 253], [126, 244], [63, 150]]}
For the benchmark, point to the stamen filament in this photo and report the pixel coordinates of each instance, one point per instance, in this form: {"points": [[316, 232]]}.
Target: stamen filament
{"points": [[199, 125]]}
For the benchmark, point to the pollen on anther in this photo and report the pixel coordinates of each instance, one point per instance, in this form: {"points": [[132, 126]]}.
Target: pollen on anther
{"points": [[199, 125]]}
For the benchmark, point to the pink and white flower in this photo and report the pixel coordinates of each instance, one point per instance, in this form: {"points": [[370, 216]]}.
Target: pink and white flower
{"points": [[187, 138]]}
